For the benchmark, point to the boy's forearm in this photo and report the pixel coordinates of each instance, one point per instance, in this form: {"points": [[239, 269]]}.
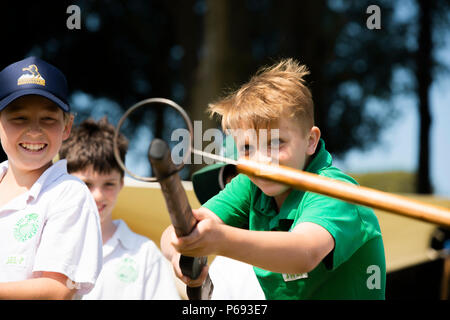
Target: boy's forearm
{"points": [[38, 288], [284, 252]]}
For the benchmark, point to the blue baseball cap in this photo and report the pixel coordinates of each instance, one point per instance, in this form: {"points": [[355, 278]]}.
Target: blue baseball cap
{"points": [[33, 76]]}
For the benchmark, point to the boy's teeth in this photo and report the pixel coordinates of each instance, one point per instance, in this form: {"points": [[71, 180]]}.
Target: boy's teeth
{"points": [[33, 146]]}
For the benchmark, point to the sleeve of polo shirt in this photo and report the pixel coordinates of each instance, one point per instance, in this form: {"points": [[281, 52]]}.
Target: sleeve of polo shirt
{"points": [[341, 219], [232, 204], [71, 241]]}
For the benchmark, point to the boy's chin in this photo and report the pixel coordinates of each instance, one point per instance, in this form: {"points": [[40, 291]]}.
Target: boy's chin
{"points": [[105, 216], [274, 192], [270, 188]]}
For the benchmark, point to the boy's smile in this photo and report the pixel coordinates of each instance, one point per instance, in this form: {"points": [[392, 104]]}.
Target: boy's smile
{"points": [[33, 147]]}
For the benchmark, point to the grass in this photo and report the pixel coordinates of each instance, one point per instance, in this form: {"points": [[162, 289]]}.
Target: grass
{"points": [[392, 181]]}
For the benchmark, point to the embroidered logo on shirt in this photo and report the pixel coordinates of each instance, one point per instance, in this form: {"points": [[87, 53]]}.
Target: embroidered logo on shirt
{"points": [[15, 260], [127, 270], [293, 277], [26, 227]]}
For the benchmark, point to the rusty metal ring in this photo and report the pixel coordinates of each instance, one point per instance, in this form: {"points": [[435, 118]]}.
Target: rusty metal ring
{"points": [[142, 103]]}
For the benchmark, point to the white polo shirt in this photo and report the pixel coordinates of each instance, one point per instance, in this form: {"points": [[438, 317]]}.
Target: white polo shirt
{"points": [[52, 227], [133, 269], [234, 280]]}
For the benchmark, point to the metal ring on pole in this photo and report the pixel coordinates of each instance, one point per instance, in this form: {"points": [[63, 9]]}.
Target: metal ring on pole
{"points": [[142, 103]]}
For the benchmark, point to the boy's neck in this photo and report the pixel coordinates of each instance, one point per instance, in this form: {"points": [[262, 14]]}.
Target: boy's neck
{"points": [[308, 160], [279, 199], [16, 178], [108, 230], [15, 182]]}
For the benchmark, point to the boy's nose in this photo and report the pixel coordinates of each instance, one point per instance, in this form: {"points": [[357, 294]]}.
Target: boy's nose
{"points": [[97, 194], [34, 129]]}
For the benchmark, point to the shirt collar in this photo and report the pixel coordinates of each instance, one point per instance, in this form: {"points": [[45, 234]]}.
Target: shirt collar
{"points": [[265, 204], [55, 171], [58, 169], [124, 235], [320, 160]]}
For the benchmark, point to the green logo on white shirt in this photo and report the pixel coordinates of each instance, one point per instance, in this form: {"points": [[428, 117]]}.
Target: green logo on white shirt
{"points": [[127, 270], [15, 260], [26, 227]]}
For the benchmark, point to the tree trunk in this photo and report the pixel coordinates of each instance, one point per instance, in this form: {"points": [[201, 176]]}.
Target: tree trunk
{"points": [[210, 74], [424, 79]]}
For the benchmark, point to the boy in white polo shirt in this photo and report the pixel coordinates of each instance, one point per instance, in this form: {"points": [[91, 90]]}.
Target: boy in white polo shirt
{"points": [[49, 229], [133, 266]]}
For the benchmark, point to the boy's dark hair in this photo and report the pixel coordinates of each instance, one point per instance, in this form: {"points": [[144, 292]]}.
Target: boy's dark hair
{"points": [[91, 143]]}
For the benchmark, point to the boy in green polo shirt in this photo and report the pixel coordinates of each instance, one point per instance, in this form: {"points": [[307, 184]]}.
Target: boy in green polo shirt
{"points": [[302, 245]]}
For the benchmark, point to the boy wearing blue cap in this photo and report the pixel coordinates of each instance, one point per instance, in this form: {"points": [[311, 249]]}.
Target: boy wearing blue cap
{"points": [[303, 245], [49, 225]]}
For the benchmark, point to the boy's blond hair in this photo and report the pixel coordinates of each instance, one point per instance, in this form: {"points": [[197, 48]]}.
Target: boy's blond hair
{"points": [[273, 92]]}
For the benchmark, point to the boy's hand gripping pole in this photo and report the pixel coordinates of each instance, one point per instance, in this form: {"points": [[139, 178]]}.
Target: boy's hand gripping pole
{"points": [[180, 214]]}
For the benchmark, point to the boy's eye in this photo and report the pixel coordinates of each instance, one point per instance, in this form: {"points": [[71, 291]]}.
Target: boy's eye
{"points": [[246, 149], [274, 143], [48, 119], [19, 118]]}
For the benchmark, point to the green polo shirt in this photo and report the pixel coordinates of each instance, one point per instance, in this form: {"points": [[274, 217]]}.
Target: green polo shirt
{"points": [[355, 269]]}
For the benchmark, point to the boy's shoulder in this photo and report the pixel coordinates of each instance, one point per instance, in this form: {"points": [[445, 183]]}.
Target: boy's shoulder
{"points": [[55, 183], [132, 240], [329, 207], [57, 180], [322, 164], [337, 174], [61, 190]]}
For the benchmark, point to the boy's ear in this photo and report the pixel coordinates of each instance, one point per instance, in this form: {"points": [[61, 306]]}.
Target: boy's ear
{"points": [[68, 127], [313, 140]]}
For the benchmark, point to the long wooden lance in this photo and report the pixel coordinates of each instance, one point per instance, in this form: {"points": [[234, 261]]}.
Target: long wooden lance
{"points": [[369, 197]]}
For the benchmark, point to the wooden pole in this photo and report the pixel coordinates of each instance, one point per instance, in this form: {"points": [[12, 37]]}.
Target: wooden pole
{"points": [[346, 191]]}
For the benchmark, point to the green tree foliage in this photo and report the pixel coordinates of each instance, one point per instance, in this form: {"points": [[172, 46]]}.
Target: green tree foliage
{"points": [[193, 51]]}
